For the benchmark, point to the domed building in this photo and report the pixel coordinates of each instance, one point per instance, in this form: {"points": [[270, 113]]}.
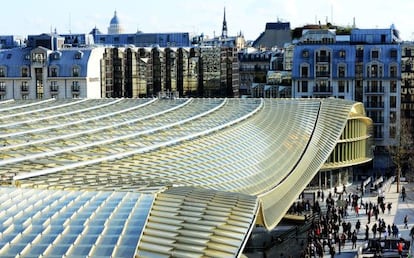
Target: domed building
{"points": [[115, 26], [116, 36]]}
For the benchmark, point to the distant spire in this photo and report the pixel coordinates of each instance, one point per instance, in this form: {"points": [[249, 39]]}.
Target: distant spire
{"points": [[224, 29]]}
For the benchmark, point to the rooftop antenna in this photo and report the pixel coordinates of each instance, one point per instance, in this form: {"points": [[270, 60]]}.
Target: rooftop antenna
{"points": [[70, 24]]}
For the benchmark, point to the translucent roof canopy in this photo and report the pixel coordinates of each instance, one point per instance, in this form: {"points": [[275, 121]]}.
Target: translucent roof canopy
{"points": [[207, 170]]}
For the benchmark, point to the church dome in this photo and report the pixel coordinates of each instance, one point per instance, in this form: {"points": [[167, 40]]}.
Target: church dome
{"points": [[115, 25], [114, 20]]}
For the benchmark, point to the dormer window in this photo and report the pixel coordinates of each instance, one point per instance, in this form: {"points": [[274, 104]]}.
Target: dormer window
{"points": [[78, 55], [38, 57], [56, 55], [53, 71], [75, 71], [25, 71], [2, 71]]}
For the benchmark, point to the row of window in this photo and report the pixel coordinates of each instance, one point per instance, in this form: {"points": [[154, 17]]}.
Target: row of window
{"points": [[324, 86], [53, 71], [324, 55], [54, 87], [372, 70], [26, 96]]}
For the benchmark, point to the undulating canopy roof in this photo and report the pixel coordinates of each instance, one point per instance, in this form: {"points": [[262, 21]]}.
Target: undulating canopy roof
{"points": [[166, 176]]}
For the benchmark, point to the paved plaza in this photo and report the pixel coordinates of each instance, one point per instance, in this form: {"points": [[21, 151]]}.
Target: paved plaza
{"points": [[398, 211], [396, 215]]}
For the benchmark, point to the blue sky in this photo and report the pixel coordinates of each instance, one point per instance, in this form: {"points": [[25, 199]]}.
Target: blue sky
{"points": [[249, 16]]}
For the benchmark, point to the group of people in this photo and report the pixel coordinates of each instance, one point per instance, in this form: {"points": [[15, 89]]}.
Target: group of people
{"points": [[331, 230]]}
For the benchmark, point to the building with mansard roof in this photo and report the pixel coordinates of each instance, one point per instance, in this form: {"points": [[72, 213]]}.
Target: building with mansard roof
{"points": [[363, 65], [42, 73]]}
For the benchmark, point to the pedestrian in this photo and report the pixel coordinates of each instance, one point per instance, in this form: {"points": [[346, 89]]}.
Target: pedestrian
{"points": [[332, 251], [389, 230], [358, 226], [374, 229], [389, 207], [400, 248], [406, 221], [354, 239], [366, 232], [369, 216], [338, 242], [403, 193], [412, 235]]}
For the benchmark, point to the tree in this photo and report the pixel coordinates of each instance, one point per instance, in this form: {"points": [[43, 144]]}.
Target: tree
{"points": [[401, 153]]}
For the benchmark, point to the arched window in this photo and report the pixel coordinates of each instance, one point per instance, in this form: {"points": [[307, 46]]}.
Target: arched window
{"points": [[375, 70]]}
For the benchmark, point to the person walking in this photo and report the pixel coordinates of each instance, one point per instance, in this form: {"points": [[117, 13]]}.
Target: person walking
{"points": [[406, 221], [354, 239], [332, 251], [389, 205], [374, 230], [357, 226], [403, 193]]}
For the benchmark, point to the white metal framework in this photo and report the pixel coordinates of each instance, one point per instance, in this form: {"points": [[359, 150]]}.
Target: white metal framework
{"points": [[209, 169]]}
